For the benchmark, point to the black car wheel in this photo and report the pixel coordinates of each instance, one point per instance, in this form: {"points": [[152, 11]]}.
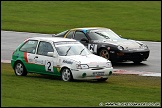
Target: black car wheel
{"points": [[66, 74], [20, 69], [104, 53]]}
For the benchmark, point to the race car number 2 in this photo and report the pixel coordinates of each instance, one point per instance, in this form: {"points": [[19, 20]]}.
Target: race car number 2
{"points": [[49, 66]]}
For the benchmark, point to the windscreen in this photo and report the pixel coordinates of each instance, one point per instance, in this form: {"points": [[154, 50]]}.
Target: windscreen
{"points": [[71, 48], [103, 34]]}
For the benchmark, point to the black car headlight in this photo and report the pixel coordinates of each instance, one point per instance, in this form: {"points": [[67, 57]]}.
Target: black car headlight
{"points": [[120, 48], [143, 46]]}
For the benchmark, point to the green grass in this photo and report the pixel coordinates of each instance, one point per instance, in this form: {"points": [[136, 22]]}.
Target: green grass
{"points": [[36, 90], [140, 20]]}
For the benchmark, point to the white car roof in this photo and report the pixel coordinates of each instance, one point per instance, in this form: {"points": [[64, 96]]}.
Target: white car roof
{"points": [[54, 39]]}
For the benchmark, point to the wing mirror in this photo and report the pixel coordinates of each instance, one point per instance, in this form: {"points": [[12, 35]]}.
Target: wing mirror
{"points": [[53, 35], [51, 54], [84, 40]]}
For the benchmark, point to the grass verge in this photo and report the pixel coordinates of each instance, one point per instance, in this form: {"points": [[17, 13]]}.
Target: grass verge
{"points": [[36, 90], [140, 20]]}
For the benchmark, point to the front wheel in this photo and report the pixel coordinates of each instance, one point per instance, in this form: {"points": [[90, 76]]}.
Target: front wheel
{"points": [[104, 53], [20, 69], [66, 75]]}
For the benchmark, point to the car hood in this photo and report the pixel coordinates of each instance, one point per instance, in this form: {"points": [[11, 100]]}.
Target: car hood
{"points": [[91, 59], [125, 43]]}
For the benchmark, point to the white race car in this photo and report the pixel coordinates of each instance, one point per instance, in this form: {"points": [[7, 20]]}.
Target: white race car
{"points": [[63, 57]]}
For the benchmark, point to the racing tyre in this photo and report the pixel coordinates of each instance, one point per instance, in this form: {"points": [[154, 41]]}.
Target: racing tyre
{"points": [[66, 74], [104, 53], [20, 69]]}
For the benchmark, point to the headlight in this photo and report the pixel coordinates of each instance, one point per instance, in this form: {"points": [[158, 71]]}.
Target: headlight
{"points": [[82, 66], [108, 64], [144, 46], [120, 48]]}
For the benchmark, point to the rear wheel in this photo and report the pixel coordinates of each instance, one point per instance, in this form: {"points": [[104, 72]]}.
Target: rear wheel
{"points": [[104, 53], [20, 69], [66, 74]]}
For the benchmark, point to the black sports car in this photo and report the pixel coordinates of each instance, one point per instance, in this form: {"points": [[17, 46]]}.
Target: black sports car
{"points": [[104, 42]]}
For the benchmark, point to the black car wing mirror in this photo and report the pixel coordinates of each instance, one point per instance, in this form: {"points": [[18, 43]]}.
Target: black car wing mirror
{"points": [[53, 35], [84, 40]]}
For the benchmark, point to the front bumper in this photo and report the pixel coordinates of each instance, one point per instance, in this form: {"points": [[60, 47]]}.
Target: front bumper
{"points": [[92, 73], [129, 56]]}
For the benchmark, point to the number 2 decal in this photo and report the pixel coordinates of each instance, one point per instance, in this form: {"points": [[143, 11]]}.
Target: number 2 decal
{"points": [[49, 66]]}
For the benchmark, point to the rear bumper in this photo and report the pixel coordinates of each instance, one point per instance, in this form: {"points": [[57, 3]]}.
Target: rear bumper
{"points": [[12, 63]]}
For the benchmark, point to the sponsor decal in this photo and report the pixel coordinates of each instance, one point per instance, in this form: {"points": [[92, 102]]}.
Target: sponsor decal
{"points": [[49, 66], [63, 43], [68, 62], [31, 60], [92, 47], [38, 61], [25, 57], [112, 51]]}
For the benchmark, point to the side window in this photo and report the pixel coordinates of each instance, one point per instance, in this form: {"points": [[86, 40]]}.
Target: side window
{"points": [[70, 35], [29, 46], [44, 48], [79, 35]]}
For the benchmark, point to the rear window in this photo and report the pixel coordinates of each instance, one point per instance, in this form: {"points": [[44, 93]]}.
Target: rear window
{"points": [[29, 46]]}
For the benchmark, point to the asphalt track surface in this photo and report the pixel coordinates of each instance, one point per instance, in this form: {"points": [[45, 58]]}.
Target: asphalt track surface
{"points": [[152, 67]]}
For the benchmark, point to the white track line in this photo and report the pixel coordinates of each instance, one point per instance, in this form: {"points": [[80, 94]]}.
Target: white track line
{"points": [[141, 73]]}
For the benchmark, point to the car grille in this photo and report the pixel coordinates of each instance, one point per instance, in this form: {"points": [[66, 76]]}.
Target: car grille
{"points": [[136, 55], [96, 68]]}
